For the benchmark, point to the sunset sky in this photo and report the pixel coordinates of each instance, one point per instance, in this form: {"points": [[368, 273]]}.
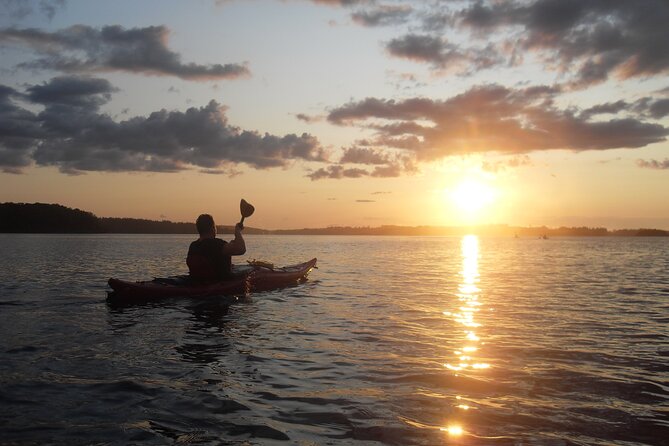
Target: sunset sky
{"points": [[339, 112]]}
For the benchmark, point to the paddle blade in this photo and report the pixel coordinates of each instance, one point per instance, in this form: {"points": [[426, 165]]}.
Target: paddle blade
{"points": [[246, 208]]}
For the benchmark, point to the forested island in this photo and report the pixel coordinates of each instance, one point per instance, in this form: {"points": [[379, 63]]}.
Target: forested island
{"points": [[55, 218]]}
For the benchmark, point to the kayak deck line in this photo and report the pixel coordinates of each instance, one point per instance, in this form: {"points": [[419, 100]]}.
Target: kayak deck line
{"points": [[247, 279]]}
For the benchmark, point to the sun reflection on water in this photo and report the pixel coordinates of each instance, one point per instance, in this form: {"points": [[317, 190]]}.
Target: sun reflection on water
{"points": [[469, 303]]}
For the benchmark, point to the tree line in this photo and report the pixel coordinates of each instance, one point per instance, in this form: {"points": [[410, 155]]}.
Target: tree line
{"points": [[55, 218]]}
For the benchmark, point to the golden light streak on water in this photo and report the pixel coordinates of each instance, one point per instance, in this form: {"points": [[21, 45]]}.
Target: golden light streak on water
{"points": [[454, 430], [468, 296]]}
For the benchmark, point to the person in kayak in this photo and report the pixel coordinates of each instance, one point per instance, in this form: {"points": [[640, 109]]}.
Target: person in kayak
{"points": [[209, 258]]}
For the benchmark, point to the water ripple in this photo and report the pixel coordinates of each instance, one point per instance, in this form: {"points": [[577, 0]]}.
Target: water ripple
{"points": [[399, 341]]}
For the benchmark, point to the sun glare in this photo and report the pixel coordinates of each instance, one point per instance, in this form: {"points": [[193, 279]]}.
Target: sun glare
{"points": [[472, 196]]}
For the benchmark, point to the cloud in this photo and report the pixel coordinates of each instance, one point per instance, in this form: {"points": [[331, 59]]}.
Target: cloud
{"points": [[599, 38], [83, 49], [84, 92], [19, 132], [21, 9], [490, 118], [653, 164], [648, 106], [441, 54], [497, 166], [659, 109], [392, 169], [382, 15], [607, 108], [357, 155], [307, 118], [341, 2], [381, 193], [365, 201], [587, 41], [72, 134], [337, 172]]}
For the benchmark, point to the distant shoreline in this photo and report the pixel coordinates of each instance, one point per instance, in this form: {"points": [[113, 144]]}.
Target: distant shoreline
{"points": [[41, 218]]}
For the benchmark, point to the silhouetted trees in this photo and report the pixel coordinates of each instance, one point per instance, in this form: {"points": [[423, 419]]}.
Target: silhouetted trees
{"points": [[46, 218], [142, 226], [54, 218]]}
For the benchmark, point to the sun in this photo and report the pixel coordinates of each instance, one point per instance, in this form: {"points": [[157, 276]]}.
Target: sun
{"points": [[472, 196]]}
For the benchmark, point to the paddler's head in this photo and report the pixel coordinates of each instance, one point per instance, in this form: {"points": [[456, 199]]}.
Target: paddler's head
{"points": [[206, 226]]}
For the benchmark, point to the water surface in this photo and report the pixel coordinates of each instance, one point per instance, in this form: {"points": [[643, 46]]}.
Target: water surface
{"points": [[393, 340]]}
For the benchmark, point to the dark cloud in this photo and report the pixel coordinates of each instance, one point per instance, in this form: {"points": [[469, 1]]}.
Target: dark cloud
{"points": [[491, 119], [659, 109], [598, 37], [648, 106], [20, 9], [442, 54], [382, 15], [82, 49], [71, 133], [587, 40], [607, 108], [424, 48], [653, 164], [82, 92], [19, 132]]}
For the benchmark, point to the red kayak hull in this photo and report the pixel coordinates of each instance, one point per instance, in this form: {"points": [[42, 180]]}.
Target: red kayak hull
{"points": [[257, 278]]}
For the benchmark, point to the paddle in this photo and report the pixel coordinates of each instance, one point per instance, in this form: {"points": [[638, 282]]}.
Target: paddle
{"points": [[246, 210]]}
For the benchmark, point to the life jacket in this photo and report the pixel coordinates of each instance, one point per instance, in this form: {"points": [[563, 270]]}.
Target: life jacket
{"points": [[206, 261]]}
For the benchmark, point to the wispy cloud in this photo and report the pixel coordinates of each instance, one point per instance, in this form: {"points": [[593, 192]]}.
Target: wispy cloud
{"points": [[513, 162], [653, 164], [308, 118], [72, 134], [341, 2], [21, 9], [337, 172], [84, 49], [382, 15], [392, 169]]}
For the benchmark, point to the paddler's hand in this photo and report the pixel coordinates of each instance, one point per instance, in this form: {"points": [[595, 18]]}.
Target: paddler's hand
{"points": [[238, 229]]}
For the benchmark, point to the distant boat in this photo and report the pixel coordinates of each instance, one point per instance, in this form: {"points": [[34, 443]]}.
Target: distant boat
{"points": [[544, 237]]}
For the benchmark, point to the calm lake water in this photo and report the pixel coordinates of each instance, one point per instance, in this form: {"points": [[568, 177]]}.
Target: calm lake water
{"points": [[425, 340]]}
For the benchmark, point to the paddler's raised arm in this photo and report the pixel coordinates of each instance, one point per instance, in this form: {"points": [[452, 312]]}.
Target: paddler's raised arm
{"points": [[236, 247]]}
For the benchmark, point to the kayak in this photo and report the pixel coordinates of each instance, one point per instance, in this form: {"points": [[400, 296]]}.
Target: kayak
{"points": [[257, 276]]}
